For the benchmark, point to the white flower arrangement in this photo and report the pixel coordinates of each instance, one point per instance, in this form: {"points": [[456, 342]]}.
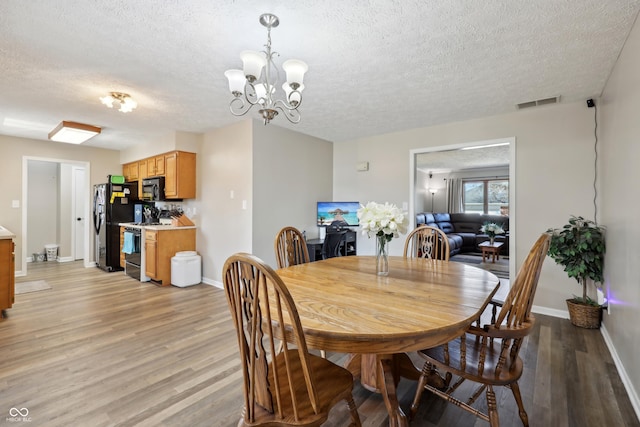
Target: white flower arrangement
{"points": [[382, 220], [491, 229]]}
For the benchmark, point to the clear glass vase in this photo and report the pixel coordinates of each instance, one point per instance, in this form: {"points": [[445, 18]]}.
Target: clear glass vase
{"points": [[382, 256]]}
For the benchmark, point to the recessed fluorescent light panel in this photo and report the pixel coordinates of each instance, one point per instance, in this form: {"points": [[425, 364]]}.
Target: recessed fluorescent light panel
{"points": [[475, 147], [73, 133]]}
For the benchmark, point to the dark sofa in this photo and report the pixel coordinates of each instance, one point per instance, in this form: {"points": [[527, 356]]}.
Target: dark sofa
{"points": [[463, 229]]}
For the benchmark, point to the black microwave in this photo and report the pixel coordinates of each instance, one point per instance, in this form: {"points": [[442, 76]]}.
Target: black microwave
{"points": [[153, 189]]}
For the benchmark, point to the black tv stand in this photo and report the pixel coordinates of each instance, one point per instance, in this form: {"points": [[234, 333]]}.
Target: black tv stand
{"points": [[315, 246]]}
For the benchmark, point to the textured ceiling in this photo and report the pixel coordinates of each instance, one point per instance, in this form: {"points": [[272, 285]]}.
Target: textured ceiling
{"points": [[374, 67], [457, 160]]}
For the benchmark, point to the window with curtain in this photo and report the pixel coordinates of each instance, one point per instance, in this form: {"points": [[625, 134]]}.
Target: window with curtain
{"points": [[488, 196]]}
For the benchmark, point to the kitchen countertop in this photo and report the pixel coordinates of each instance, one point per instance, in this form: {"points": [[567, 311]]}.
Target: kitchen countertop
{"points": [[159, 227], [6, 234]]}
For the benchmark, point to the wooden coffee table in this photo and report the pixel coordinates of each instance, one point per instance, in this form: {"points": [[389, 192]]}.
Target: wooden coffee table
{"points": [[492, 249]]}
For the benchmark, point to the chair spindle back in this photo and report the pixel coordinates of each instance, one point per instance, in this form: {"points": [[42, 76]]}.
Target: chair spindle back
{"points": [[258, 299], [290, 248], [427, 242]]}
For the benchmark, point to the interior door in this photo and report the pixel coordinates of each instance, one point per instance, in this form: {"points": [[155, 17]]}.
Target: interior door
{"points": [[79, 203]]}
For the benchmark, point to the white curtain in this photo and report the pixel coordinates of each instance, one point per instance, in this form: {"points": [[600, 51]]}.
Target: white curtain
{"points": [[454, 195]]}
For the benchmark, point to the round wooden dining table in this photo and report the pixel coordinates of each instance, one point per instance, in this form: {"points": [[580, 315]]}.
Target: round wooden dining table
{"points": [[344, 306]]}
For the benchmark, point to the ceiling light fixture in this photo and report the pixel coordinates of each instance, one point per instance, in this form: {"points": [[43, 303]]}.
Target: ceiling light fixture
{"points": [[476, 147], [73, 133], [127, 104], [250, 86]]}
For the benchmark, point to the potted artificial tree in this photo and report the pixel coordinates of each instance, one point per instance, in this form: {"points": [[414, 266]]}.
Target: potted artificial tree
{"points": [[579, 247]]}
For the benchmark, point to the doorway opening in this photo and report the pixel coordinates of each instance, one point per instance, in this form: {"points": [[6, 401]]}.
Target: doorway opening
{"points": [[55, 196], [434, 169]]}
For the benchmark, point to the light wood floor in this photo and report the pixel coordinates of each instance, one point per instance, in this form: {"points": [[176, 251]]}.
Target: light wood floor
{"points": [[101, 349]]}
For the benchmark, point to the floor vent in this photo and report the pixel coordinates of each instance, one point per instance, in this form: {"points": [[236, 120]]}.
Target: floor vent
{"points": [[553, 100]]}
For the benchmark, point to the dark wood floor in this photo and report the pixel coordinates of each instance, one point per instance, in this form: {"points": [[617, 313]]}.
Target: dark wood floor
{"points": [[102, 349]]}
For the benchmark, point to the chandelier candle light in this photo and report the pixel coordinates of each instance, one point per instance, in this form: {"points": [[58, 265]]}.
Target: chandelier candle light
{"points": [[385, 221], [251, 86]]}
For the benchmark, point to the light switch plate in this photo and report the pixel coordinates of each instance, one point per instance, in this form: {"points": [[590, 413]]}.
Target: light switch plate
{"points": [[362, 166], [15, 203]]}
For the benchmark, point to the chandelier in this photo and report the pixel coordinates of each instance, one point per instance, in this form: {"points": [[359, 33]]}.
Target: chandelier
{"points": [[251, 86], [127, 104]]}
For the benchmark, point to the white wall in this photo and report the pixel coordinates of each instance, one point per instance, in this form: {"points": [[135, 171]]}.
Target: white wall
{"points": [[178, 140], [292, 172], [278, 173], [44, 209], [140, 151], [554, 175], [225, 164], [620, 208]]}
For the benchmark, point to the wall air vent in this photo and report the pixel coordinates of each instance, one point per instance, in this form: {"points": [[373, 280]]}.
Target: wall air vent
{"points": [[553, 100]]}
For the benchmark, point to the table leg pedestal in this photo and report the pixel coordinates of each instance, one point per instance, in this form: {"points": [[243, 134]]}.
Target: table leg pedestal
{"points": [[388, 378], [381, 373]]}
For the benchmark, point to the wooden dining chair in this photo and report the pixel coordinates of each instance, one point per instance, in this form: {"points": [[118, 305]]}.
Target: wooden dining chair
{"points": [[291, 387], [427, 242], [290, 247], [489, 355]]}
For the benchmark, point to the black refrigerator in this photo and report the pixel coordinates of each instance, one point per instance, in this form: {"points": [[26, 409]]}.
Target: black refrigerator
{"points": [[112, 204]]}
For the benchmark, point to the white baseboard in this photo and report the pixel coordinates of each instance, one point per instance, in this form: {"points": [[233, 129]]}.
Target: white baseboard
{"points": [[628, 385], [212, 282], [563, 314]]}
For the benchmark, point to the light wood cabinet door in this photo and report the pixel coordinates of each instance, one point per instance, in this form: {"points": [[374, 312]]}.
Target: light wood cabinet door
{"points": [[155, 166], [158, 165], [142, 170], [130, 171], [151, 167], [161, 246], [142, 174], [7, 273], [151, 254], [180, 175], [177, 167]]}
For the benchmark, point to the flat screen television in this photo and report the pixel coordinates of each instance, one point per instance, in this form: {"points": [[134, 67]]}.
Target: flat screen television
{"points": [[338, 211]]}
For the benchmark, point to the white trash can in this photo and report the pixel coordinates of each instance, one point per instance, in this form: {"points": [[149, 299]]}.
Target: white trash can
{"points": [[186, 269], [52, 252]]}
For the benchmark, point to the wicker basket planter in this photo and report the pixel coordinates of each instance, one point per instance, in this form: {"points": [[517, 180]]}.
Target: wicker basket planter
{"points": [[584, 315]]}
